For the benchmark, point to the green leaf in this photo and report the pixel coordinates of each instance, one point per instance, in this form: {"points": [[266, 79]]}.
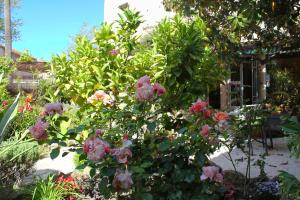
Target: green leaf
{"points": [[147, 196], [182, 130], [92, 172], [65, 154], [137, 169], [164, 146], [108, 171], [146, 164], [8, 116], [64, 125], [189, 177], [78, 129], [80, 167], [103, 189], [54, 153], [151, 126]]}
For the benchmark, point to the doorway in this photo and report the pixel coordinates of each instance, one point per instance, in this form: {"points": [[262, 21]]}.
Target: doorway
{"points": [[249, 82], [244, 84]]}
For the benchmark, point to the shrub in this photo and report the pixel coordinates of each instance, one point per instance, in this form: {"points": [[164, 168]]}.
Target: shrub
{"points": [[135, 134], [284, 88], [25, 57], [191, 66], [6, 68], [137, 156], [20, 152], [289, 186], [292, 129], [178, 55], [98, 64], [16, 159]]}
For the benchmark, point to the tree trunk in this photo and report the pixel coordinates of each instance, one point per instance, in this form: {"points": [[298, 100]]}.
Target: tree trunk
{"points": [[262, 88], [7, 21]]}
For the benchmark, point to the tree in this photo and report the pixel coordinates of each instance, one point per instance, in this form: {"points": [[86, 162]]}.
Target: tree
{"points": [[15, 23], [264, 24], [8, 37]]}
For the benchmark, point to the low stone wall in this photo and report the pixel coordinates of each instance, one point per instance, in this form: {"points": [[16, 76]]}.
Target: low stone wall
{"points": [[27, 76]]}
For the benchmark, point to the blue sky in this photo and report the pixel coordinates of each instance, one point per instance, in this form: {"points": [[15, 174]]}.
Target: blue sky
{"points": [[48, 25]]}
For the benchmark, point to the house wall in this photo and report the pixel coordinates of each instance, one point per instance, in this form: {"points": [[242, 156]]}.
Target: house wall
{"points": [[152, 11], [14, 55]]}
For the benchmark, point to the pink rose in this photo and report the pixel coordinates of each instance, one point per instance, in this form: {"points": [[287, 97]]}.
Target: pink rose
{"points": [[205, 130], [53, 108], [101, 96], [159, 89], [121, 154], [38, 131], [145, 80], [144, 93], [122, 180], [219, 177], [198, 106], [95, 148], [209, 172], [213, 173], [99, 132]]}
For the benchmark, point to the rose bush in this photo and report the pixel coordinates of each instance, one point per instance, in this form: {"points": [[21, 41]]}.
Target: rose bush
{"points": [[132, 152]]}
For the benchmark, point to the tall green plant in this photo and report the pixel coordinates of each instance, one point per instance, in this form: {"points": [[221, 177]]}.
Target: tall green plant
{"points": [[47, 190], [100, 63], [7, 118], [289, 184], [191, 67], [178, 56]]}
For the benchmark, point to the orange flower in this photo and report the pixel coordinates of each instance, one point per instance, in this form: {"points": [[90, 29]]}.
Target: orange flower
{"points": [[28, 99], [221, 116]]}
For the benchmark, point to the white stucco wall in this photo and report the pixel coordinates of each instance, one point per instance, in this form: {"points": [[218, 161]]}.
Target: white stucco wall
{"points": [[151, 10]]}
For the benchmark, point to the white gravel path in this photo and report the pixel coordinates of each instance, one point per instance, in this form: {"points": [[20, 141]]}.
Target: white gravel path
{"points": [[43, 167], [278, 159]]}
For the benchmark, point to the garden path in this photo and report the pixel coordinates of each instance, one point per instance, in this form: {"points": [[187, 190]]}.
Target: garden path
{"points": [[43, 167], [278, 159]]}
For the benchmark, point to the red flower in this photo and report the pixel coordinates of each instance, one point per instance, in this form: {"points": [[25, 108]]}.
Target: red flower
{"points": [[4, 104], [198, 106], [207, 113], [21, 109], [69, 184], [28, 107]]}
